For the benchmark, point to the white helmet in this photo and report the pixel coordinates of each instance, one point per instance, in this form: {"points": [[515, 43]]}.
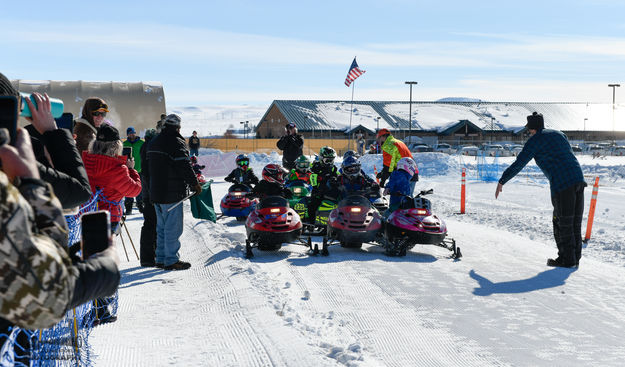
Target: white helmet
{"points": [[407, 164]]}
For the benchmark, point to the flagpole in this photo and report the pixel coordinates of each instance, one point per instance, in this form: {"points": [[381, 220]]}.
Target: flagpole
{"points": [[351, 109]]}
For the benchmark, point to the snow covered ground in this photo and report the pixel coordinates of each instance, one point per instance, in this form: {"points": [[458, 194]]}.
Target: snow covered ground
{"points": [[500, 305]]}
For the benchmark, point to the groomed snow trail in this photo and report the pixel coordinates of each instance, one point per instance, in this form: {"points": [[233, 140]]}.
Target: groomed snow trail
{"points": [[498, 306]]}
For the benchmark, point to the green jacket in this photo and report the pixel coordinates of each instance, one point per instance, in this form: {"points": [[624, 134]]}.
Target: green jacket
{"points": [[136, 152]]}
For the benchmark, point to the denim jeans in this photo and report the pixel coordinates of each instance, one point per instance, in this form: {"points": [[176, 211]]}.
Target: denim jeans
{"points": [[168, 231]]}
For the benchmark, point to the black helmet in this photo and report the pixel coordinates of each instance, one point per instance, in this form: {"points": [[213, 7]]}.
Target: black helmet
{"points": [[350, 153], [350, 166], [327, 155], [274, 173], [243, 160]]}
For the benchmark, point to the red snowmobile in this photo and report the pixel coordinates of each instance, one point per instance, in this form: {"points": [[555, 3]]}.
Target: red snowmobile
{"points": [[354, 222], [414, 224], [271, 224]]}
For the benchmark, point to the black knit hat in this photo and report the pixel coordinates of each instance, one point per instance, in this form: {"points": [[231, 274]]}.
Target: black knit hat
{"points": [[107, 133], [535, 121], [6, 88]]}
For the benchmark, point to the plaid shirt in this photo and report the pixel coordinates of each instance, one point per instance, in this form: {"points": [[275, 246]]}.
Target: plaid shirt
{"points": [[553, 155]]}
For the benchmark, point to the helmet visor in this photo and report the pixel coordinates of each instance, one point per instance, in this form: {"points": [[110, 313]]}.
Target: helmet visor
{"points": [[327, 160], [352, 170]]}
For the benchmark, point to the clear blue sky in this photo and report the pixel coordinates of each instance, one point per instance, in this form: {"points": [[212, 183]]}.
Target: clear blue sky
{"points": [[235, 52]]}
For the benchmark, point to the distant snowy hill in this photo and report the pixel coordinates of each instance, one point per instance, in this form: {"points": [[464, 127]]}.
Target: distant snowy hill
{"points": [[215, 120], [459, 99]]}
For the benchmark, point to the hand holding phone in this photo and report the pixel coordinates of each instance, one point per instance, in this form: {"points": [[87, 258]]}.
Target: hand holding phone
{"points": [[41, 112], [96, 232]]}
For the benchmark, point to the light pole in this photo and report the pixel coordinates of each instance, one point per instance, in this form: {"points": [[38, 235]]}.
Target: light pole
{"points": [[613, 86], [378, 124], [245, 127], [584, 135], [409, 111], [492, 129]]}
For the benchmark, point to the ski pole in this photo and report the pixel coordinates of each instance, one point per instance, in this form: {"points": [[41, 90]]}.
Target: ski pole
{"points": [[186, 197], [130, 238], [591, 211]]}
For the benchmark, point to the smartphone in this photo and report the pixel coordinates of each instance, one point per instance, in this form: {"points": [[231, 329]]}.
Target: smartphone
{"points": [[96, 231], [66, 121], [127, 151], [8, 116], [56, 106]]}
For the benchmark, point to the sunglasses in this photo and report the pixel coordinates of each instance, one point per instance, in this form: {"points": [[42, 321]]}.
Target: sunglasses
{"points": [[243, 163], [98, 113]]}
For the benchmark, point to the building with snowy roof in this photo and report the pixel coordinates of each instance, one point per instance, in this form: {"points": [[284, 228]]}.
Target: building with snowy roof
{"points": [[444, 120]]}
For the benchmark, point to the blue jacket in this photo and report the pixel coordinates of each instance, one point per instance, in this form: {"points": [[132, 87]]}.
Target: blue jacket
{"points": [[553, 155], [399, 182]]}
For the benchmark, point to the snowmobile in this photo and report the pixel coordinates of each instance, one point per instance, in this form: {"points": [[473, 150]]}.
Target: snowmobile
{"points": [[300, 190], [271, 224], [236, 203], [354, 222], [414, 224]]}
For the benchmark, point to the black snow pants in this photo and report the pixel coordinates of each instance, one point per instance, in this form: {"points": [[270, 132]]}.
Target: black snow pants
{"points": [[568, 211], [148, 234]]}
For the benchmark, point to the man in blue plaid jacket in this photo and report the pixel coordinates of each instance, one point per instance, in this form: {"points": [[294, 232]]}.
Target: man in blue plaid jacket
{"points": [[553, 155]]}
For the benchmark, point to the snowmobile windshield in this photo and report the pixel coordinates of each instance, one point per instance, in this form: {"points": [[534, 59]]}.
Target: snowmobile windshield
{"points": [[239, 187], [355, 200], [273, 202]]}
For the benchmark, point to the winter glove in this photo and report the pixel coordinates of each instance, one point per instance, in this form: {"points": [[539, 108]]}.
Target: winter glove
{"points": [[415, 177], [198, 189]]}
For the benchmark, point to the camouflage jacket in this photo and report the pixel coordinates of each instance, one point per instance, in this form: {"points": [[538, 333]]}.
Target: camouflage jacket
{"points": [[37, 274]]}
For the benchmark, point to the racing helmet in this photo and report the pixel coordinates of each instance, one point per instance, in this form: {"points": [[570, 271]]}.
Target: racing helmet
{"points": [[243, 161], [350, 153], [274, 173], [407, 164], [302, 164], [350, 167], [327, 155]]}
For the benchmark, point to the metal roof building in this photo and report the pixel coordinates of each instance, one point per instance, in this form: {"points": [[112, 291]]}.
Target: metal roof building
{"points": [[318, 117]]}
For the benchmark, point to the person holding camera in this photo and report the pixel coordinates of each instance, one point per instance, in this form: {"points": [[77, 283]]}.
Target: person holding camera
{"points": [[170, 174], [291, 145], [39, 281]]}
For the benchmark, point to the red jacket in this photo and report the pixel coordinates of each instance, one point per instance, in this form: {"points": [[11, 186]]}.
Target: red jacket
{"points": [[112, 176]]}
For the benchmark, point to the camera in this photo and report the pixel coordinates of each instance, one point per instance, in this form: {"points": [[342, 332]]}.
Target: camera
{"points": [[127, 151]]}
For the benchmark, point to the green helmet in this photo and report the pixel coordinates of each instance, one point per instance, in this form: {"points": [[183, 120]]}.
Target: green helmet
{"points": [[302, 164], [327, 155]]}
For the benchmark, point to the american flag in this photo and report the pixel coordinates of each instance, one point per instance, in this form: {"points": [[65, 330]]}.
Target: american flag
{"points": [[353, 73]]}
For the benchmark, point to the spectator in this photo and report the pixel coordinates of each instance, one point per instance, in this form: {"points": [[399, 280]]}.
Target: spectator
{"points": [[292, 145], [360, 143], [194, 144], [111, 172], [170, 175], [134, 142], [147, 250], [553, 155], [392, 151], [35, 238], [93, 112], [58, 161]]}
